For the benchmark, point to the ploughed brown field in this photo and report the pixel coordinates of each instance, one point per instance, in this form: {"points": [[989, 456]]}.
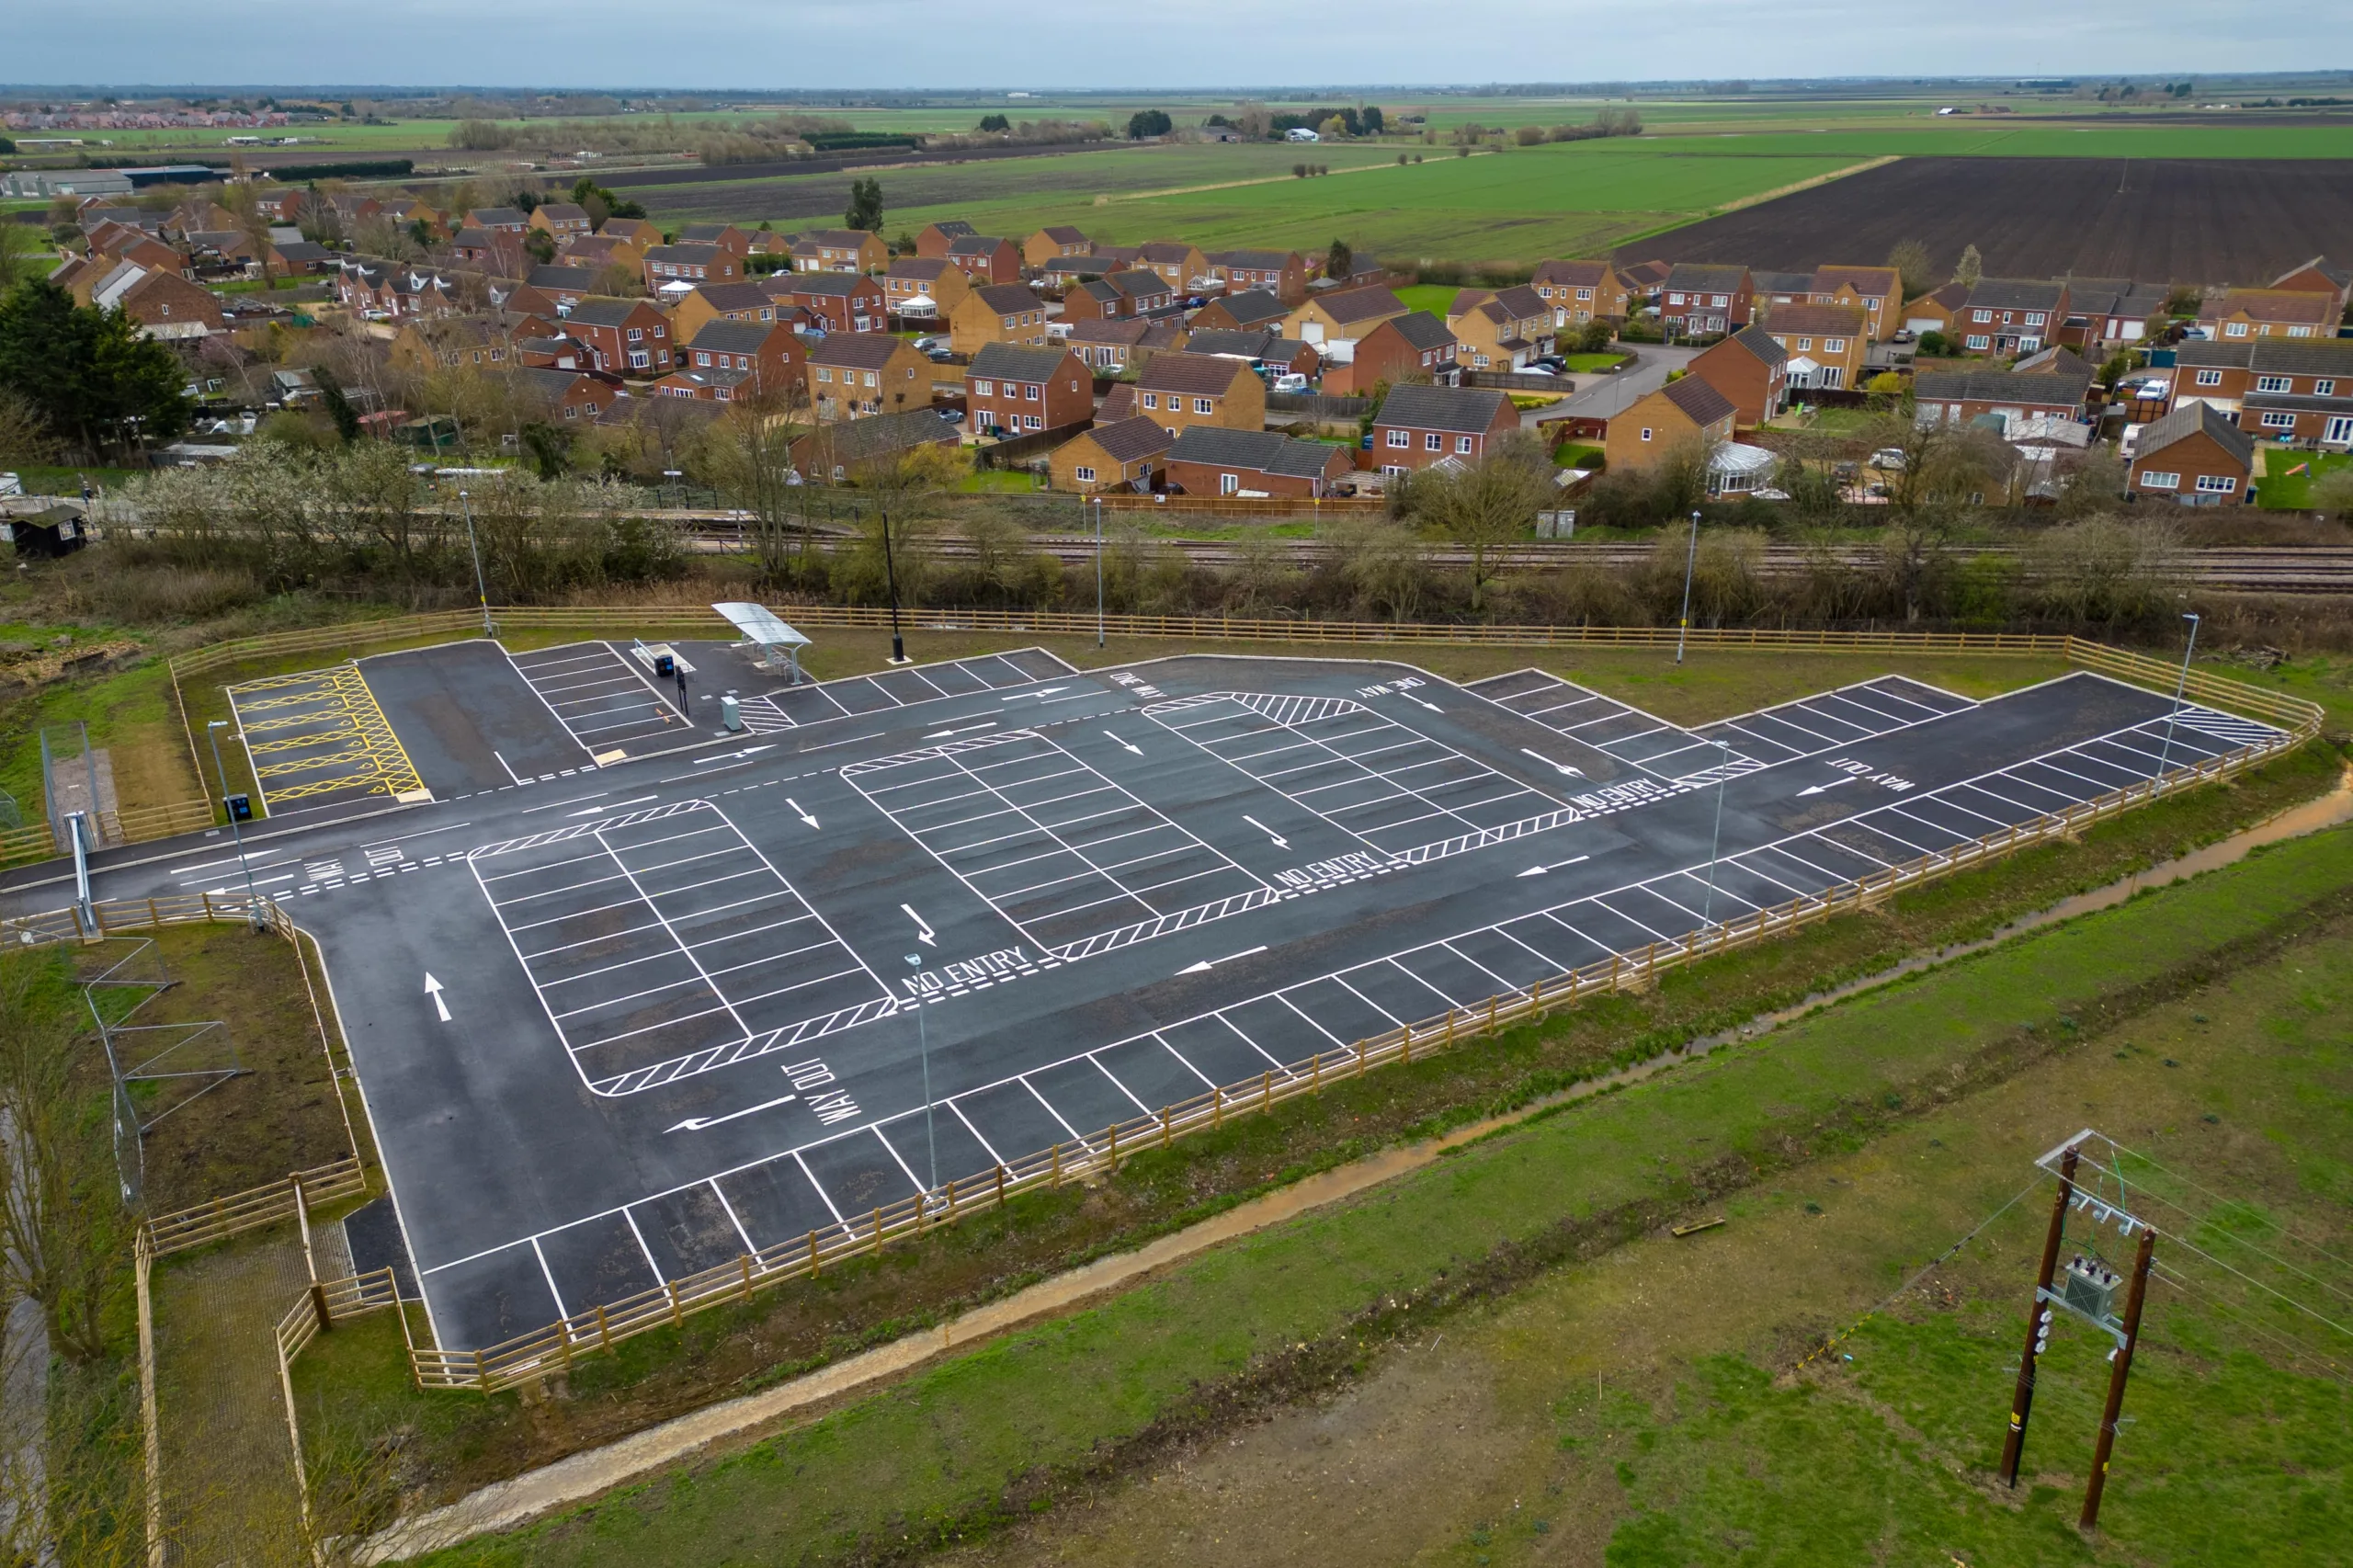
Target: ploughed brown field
{"points": [[2182, 220]]}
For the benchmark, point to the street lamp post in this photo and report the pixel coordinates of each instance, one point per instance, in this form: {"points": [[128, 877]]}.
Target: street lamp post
{"points": [[923, 1046], [2164, 754], [1716, 843], [1690, 559], [891, 575], [1098, 571], [220, 772], [482, 588]]}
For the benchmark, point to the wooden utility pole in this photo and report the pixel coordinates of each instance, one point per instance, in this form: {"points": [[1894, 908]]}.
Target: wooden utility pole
{"points": [[2120, 1370], [2022, 1399]]}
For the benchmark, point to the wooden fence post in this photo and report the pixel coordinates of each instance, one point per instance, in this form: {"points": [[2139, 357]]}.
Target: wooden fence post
{"points": [[878, 1227], [1267, 1090], [1055, 1171], [1217, 1108], [815, 1267], [1000, 1183], [670, 1289], [605, 1327], [747, 1262], [1111, 1133], [1163, 1127]]}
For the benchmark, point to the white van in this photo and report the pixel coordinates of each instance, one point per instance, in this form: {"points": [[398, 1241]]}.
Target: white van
{"points": [[1301, 133]]}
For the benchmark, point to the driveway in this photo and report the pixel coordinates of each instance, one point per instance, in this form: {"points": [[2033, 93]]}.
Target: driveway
{"points": [[1598, 397]]}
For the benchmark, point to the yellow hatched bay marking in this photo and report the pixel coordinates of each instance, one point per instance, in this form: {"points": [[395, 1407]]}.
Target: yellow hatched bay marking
{"points": [[367, 757]]}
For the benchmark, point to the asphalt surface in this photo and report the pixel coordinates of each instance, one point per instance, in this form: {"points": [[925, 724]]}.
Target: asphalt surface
{"points": [[682, 987]]}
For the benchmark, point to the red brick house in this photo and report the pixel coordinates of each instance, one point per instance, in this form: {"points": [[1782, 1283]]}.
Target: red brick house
{"points": [[566, 395], [2194, 456], [841, 302], [1253, 310], [839, 250], [2318, 276], [935, 240], [1117, 296], [984, 258], [2011, 316], [1402, 349], [2282, 390], [1750, 368], [1282, 273], [1110, 347], [1015, 389], [726, 236], [1209, 461], [1180, 390], [710, 386], [1127, 454], [1956, 397], [164, 304], [673, 269], [1418, 425], [1055, 242], [771, 354], [1183, 266], [1698, 300], [2270, 312], [628, 338]]}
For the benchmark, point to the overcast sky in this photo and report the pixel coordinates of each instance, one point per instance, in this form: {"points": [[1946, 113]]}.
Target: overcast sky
{"points": [[1063, 44]]}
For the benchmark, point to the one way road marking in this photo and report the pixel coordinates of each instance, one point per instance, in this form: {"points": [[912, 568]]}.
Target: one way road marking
{"points": [[433, 989]]}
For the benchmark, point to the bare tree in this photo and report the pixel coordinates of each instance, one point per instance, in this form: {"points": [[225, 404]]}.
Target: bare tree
{"points": [[1939, 470], [1486, 505], [748, 456]]}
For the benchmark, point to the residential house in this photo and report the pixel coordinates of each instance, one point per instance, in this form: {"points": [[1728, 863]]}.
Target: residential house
{"points": [[566, 394], [1419, 426], [2194, 456], [840, 302], [1182, 389], [561, 287], [1209, 460], [2290, 389], [1280, 355], [500, 251], [1957, 397], [449, 343], [2012, 315], [840, 452], [598, 251], [1698, 300], [1118, 258], [1939, 311], [1111, 346], [1182, 266], [726, 236], [771, 354], [1750, 369], [926, 285], [934, 241], [1826, 345], [1128, 454], [2109, 312], [639, 232], [294, 259], [673, 269], [1402, 350], [1117, 296], [714, 386], [1282, 273], [2270, 313], [1054, 243], [996, 312], [984, 258], [1017, 391], [698, 308], [840, 250], [1580, 292], [1686, 413], [1342, 317], [627, 337], [1643, 280], [1063, 271], [543, 345], [1500, 329], [498, 220], [164, 304], [855, 375], [1877, 291], [1770, 289], [1251, 311], [2318, 276], [564, 220]]}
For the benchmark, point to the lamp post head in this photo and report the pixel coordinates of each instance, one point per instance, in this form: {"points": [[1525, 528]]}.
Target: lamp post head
{"points": [[2190, 615], [216, 723], [914, 961]]}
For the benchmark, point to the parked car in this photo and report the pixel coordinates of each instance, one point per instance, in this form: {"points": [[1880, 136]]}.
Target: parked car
{"points": [[1534, 370], [1289, 381], [1888, 458], [1552, 362]]}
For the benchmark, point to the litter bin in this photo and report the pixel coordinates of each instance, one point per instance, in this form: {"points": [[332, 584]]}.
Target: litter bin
{"points": [[666, 665]]}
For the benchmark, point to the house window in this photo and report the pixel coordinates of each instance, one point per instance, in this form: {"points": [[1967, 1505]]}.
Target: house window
{"points": [[1400, 438], [1723, 299], [1585, 293], [1203, 406], [2034, 318], [1674, 299], [1030, 393], [701, 357], [2160, 480], [1805, 345], [980, 388], [638, 358], [1834, 346], [2234, 329], [1981, 316], [636, 332], [1979, 340], [1083, 474], [1434, 442], [825, 374], [1032, 422], [1462, 443], [2325, 387], [2209, 377], [2272, 384], [2278, 422], [2216, 484], [1227, 483], [1647, 432], [1152, 400]]}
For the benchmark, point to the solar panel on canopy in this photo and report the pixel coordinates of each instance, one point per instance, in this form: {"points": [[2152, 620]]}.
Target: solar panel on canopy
{"points": [[759, 624]]}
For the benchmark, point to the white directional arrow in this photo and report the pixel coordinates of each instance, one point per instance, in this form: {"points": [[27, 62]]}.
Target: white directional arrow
{"points": [[1557, 865], [1137, 749], [1818, 788], [1279, 841], [731, 756], [800, 810], [696, 1123], [1041, 692], [1207, 964], [433, 989], [923, 931], [1431, 706], [943, 734], [1563, 767]]}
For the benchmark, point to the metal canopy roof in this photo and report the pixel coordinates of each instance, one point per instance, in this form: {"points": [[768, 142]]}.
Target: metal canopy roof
{"points": [[759, 624]]}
